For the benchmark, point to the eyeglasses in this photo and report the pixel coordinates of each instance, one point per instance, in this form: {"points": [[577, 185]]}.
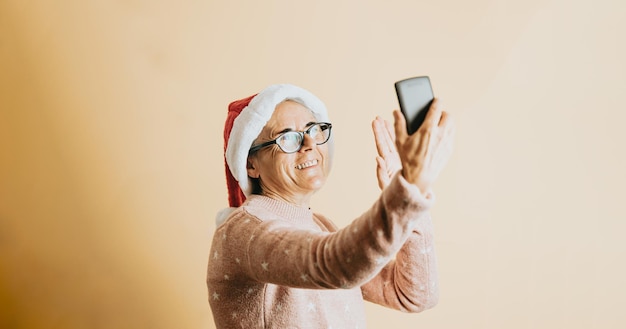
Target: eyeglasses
{"points": [[292, 141]]}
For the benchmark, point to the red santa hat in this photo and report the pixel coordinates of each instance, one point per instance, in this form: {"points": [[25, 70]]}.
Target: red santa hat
{"points": [[244, 122]]}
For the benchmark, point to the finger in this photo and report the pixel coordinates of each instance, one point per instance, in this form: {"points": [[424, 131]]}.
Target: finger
{"points": [[400, 127], [382, 166], [386, 141], [449, 125], [391, 131], [379, 136], [390, 136], [434, 113], [381, 173], [445, 119]]}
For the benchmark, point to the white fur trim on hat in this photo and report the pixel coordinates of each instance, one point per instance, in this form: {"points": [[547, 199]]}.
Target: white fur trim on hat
{"points": [[250, 122]]}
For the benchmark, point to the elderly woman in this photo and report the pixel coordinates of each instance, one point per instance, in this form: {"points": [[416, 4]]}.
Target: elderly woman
{"points": [[274, 263]]}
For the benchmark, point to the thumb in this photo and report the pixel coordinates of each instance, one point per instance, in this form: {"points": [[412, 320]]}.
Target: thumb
{"points": [[381, 173]]}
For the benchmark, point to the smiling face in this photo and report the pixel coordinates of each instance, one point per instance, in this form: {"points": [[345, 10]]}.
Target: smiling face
{"points": [[292, 177]]}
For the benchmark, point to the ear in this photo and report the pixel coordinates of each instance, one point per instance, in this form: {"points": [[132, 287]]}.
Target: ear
{"points": [[251, 167]]}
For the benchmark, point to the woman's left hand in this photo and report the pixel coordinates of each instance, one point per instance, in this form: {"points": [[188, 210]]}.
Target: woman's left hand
{"points": [[388, 160]]}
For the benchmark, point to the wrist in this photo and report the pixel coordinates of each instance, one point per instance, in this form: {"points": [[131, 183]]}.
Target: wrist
{"points": [[414, 178]]}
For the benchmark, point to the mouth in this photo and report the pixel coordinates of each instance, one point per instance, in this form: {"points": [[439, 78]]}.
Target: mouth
{"points": [[307, 164]]}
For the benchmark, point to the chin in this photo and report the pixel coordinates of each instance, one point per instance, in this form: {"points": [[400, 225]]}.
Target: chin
{"points": [[315, 186]]}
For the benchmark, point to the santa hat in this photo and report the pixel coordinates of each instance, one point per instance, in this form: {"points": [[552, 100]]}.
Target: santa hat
{"points": [[244, 122]]}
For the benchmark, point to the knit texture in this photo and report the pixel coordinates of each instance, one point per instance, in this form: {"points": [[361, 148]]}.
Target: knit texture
{"points": [[275, 265]]}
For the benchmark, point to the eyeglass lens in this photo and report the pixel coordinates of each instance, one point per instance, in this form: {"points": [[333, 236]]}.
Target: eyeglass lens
{"points": [[292, 141]]}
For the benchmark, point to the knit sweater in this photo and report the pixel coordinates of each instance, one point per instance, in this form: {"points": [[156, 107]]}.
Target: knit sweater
{"points": [[277, 265]]}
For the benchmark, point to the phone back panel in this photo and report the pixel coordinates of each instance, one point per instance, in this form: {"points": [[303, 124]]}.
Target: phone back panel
{"points": [[415, 95]]}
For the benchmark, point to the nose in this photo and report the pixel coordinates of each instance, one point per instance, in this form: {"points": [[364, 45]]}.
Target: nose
{"points": [[308, 143]]}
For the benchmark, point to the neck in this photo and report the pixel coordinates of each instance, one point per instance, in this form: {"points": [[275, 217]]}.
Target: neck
{"points": [[300, 201]]}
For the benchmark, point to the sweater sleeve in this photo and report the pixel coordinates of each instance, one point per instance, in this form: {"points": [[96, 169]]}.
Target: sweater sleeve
{"points": [[408, 283], [277, 252]]}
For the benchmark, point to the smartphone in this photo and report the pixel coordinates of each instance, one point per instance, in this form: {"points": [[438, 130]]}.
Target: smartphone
{"points": [[415, 96]]}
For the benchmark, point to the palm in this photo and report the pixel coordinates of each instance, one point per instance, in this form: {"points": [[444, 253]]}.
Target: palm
{"points": [[388, 160]]}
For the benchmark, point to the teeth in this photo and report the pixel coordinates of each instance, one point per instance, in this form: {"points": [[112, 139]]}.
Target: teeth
{"points": [[306, 164]]}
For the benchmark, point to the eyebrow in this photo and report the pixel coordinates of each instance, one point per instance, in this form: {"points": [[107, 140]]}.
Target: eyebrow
{"points": [[310, 123]]}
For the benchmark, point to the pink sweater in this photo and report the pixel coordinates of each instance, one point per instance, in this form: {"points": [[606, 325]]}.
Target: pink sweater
{"points": [[276, 265]]}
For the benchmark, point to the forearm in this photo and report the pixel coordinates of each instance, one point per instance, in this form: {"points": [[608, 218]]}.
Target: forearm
{"points": [[343, 259], [409, 283], [376, 236]]}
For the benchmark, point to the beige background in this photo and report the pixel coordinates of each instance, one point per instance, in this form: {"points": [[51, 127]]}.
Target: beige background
{"points": [[111, 168]]}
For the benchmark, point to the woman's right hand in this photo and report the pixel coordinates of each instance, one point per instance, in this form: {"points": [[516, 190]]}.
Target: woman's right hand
{"points": [[425, 153]]}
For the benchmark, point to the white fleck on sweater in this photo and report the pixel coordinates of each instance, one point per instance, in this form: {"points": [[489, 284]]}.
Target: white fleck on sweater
{"points": [[276, 265]]}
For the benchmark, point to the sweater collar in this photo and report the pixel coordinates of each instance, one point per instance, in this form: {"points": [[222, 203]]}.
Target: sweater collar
{"points": [[282, 209]]}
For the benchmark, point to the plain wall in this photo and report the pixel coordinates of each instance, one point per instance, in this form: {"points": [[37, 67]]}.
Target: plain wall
{"points": [[111, 149]]}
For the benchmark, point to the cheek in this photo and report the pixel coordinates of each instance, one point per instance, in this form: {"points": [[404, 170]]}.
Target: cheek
{"points": [[326, 158], [277, 164]]}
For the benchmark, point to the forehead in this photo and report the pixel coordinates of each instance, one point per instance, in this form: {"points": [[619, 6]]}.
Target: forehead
{"points": [[290, 114]]}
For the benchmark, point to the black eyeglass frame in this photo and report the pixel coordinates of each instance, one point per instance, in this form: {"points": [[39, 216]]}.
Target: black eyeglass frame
{"points": [[323, 125]]}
